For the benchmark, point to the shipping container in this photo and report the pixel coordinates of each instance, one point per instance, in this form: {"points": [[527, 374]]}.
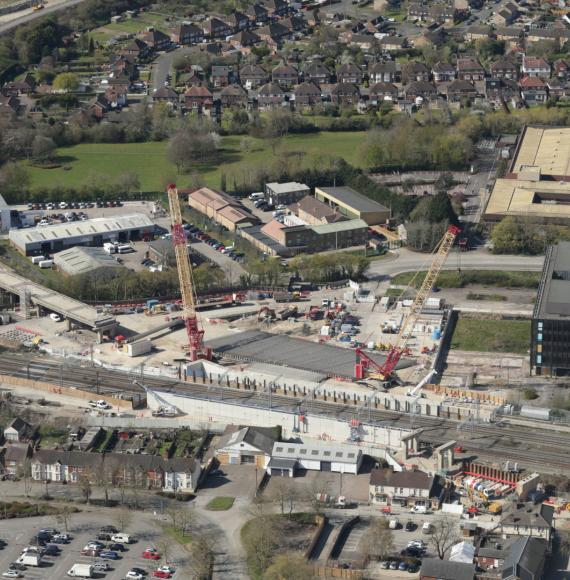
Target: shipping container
{"points": [[139, 347], [37, 259], [538, 413], [45, 264]]}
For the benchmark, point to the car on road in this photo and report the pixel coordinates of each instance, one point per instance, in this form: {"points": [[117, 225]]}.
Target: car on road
{"points": [[109, 554]]}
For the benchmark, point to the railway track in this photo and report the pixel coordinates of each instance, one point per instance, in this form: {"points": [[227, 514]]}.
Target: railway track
{"points": [[541, 448]]}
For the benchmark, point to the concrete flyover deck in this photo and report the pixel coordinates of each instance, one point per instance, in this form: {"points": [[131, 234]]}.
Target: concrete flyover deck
{"points": [[73, 310], [325, 359]]}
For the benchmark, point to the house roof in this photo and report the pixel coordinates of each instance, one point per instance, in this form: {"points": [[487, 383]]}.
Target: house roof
{"points": [[526, 553], [529, 515], [316, 69], [317, 451], [18, 424], [317, 209], [212, 198], [446, 570], [410, 479], [234, 90], [503, 63], [252, 70], [340, 226], [271, 89], [383, 88], [531, 83], [285, 69], [414, 67], [384, 67], [461, 86], [307, 89], [535, 62], [443, 67], [165, 93], [349, 68], [420, 87], [281, 463], [16, 452], [344, 89], [198, 91], [272, 229], [469, 64], [236, 215], [259, 437]]}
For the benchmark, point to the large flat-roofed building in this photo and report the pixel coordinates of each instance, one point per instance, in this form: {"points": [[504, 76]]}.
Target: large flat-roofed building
{"points": [[550, 332], [537, 184], [352, 204], [94, 232], [286, 193]]}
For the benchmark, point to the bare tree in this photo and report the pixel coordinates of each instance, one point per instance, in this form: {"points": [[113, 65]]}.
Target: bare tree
{"points": [[379, 539], [289, 567], [316, 493], [202, 552], [444, 534], [84, 481], [185, 518], [64, 516], [172, 513], [164, 549], [24, 472], [123, 518], [285, 494]]}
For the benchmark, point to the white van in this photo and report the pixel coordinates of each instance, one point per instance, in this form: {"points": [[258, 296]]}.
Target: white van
{"points": [[394, 524], [426, 528], [121, 538], [419, 509], [256, 196]]}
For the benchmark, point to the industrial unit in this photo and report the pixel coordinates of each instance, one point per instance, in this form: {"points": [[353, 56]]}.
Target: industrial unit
{"points": [[285, 193], [353, 204], [550, 332], [536, 186], [83, 260], [93, 232]]}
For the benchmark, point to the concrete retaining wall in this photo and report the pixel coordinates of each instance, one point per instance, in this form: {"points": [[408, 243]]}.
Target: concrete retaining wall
{"points": [[68, 392]]}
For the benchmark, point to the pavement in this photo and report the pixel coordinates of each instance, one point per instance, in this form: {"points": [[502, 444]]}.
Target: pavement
{"points": [[10, 21]]}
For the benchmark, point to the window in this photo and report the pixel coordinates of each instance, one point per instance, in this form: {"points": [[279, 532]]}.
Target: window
{"points": [[291, 450], [315, 452], [303, 451], [327, 453], [338, 454], [351, 455], [279, 449]]}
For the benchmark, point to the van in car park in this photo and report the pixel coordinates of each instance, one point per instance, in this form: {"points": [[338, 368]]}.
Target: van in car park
{"points": [[45, 264], [121, 538], [37, 259], [81, 571], [426, 528], [394, 524], [418, 509], [255, 196], [124, 249]]}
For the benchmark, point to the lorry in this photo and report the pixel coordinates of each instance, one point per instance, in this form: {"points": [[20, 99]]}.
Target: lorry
{"points": [[37, 259], [81, 571], [30, 559], [110, 248]]}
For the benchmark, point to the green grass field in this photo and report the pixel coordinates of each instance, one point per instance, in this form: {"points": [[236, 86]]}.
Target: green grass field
{"points": [[83, 163], [454, 279], [220, 503], [512, 336], [130, 26]]}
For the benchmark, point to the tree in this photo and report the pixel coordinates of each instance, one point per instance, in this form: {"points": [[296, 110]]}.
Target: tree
{"points": [[379, 539], [66, 82], [291, 566], [507, 236], [64, 516], [84, 481], [285, 494], [14, 182], [444, 534], [24, 472], [128, 182], [43, 149], [123, 518], [164, 549], [202, 550], [260, 540]]}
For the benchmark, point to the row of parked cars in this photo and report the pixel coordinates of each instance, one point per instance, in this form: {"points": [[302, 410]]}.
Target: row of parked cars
{"points": [[74, 204], [196, 233]]}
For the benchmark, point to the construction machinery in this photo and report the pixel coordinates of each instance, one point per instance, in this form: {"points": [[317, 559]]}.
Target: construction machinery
{"points": [[366, 365], [197, 349]]}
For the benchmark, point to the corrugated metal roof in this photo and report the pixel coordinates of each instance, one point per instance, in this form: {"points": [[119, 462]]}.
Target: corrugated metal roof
{"points": [[103, 225], [80, 260]]}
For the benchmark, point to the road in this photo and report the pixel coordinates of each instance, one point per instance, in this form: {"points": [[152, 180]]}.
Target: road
{"points": [[480, 259], [10, 21], [162, 65]]}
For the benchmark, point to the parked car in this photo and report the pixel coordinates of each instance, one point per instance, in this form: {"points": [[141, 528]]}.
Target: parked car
{"points": [[109, 554], [140, 571], [109, 529], [104, 536], [151, 554], [394, 565], [413, 568], [12, 574], [52, 550], [17, 566], [402, 567], [132, 575], [410, 526], [116, 547], [101, 567], [161, 574]]}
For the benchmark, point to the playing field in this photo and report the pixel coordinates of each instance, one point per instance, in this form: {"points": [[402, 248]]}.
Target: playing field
{"points": [[84, 163]]}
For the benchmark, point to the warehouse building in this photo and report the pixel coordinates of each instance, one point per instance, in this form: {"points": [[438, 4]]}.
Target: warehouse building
{"points": [[537, 184], [94, 232], [550, 331], [354, 205], [288, 458], [285, 193], [222, 208], [83, 260]]}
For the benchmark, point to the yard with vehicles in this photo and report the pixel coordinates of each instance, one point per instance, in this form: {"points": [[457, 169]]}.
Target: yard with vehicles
{"points": [[81, 164]]}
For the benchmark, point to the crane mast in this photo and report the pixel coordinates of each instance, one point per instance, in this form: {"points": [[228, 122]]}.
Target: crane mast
{"points": [[197, 350], [364, 362]]}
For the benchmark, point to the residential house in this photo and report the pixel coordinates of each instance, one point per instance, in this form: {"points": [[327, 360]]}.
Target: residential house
{"points": [[181, 475], [239, 21], [385, 72], [432, 38], [285, 75], [98, 108], [65, 466], [380, 92], [216, 29], [186, 34], [420, 89], [392, 43], [117, 97], [277, 8], [317, 73], [436, 569], [418, 11], [475, 33], [459, 90], [527, 519], [443, 13], [504, 69], [307, 95], [403, 488], [259, 14], [557, 89], [24, 86], [533, 90], [198, 98], [415, 72], [349, 73], [443, 72], [244, 39], [252, 76], [221, 76], [247, 446], [13, 458], [156, 39], [294, 23], [234, 96], [18, 431], [526, 559], [273, 32], [166, 95], [470, 69], [507, 15], [123, 66], [562, 69], [558, 36], [270, 95], [510, 35], [499, 90], [535, 67], [190, 79], [345, 95], [137, 48]]}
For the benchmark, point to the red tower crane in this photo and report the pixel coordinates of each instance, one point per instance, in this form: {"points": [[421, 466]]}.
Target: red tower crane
{"points": [[365, 365], [197, 349]]}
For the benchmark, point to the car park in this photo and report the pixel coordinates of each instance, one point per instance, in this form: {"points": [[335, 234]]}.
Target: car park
{"points": [[101, 567], [109, 529], [137, 570], [162, 574]]}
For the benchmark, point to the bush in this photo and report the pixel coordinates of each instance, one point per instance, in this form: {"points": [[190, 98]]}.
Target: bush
{"points": [[530, 395]]}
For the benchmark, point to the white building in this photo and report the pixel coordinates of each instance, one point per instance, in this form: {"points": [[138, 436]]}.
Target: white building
{"points": [[250, 445], [287, 458]]}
